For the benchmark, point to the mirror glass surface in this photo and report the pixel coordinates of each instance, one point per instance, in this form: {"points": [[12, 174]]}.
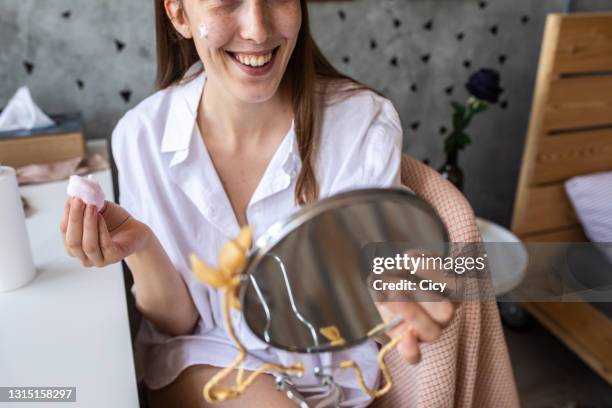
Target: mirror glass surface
{"points": [[310, 271]]}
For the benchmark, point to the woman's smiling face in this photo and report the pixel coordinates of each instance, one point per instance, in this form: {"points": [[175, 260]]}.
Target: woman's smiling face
{"points": [[245, 45]]}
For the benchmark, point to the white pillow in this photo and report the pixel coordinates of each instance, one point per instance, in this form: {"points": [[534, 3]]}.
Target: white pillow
{"points": [[591, 196]]}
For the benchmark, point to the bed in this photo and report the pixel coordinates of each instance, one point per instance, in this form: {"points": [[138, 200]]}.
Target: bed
{"points": [[570, 134]]}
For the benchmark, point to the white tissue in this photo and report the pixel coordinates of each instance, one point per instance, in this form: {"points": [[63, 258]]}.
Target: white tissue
{"points": [[22, 113], [87, 189]]}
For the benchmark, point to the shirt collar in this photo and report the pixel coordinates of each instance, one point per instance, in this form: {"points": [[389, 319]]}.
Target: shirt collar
{"points": [[281, 170], [183, 111], [192, 169], [181, 122]]}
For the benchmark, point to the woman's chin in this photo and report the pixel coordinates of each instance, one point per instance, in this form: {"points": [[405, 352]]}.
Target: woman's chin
{"points": [[256, 94]]}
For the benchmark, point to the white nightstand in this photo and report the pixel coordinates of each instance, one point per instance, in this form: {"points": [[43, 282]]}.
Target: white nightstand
{"points": [[508, 263], [69, 326]]}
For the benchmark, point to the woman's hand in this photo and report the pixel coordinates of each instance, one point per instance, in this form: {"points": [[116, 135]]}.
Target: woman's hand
{"points": [[424, 313], [107, 237], [423, 322], [100, 239]]}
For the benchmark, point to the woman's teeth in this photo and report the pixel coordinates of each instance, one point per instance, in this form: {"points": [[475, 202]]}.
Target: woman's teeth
{"points": [[254, 60]]}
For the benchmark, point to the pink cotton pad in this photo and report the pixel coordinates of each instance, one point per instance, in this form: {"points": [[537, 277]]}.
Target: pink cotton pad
{"points": [[87, 189]]}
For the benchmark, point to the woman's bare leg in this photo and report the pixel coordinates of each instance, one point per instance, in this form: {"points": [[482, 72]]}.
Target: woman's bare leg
{"points": [[186, 392]]}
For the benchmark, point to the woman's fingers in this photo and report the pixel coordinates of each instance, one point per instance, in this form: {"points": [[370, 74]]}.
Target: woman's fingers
{"points": [[415, 317], [418, 325], [114, 215], [107, 246], [408, 347], [90, 244], [74, 231], [64, 222], [86, 235]]}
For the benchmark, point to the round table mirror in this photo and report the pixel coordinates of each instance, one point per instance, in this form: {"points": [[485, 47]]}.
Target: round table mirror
{"points": [[310, 271]]}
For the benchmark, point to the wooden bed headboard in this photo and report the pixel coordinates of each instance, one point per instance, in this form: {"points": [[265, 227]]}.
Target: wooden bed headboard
{"points": [[570, 133]]}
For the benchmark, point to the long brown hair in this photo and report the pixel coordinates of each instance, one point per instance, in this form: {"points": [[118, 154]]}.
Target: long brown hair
{"points": [[312, 77]]}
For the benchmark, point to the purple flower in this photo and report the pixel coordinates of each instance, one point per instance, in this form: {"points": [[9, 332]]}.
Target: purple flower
{"points": [[484, 85]]}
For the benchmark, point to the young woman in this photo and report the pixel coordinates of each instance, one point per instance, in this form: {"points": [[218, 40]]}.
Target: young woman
{"points": [[249, 123]]}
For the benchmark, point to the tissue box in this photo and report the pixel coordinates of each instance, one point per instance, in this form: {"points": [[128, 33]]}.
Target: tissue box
{"points": [[44, 145]]}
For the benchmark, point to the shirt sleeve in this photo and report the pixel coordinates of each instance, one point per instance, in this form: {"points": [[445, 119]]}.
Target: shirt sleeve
{"points": [[373, 161]]}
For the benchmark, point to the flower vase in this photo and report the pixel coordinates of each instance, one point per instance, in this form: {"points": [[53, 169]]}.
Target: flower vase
{"points": [[451, 171]]}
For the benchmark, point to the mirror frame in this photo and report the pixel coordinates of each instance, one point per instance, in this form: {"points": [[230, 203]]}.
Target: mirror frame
{"points": [[281, 229]]}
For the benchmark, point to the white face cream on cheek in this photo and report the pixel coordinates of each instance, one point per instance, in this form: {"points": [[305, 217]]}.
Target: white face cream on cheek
{"points": [[203, 29]]}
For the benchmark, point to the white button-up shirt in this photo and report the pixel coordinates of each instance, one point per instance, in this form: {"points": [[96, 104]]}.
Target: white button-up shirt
{"points": [[168, 181]]}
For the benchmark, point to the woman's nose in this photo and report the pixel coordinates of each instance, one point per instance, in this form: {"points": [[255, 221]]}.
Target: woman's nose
{"points": [[255, 22]]}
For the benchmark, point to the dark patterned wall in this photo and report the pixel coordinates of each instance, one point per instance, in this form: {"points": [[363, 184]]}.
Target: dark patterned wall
{"points": [[420, 54], [99, 57]]}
